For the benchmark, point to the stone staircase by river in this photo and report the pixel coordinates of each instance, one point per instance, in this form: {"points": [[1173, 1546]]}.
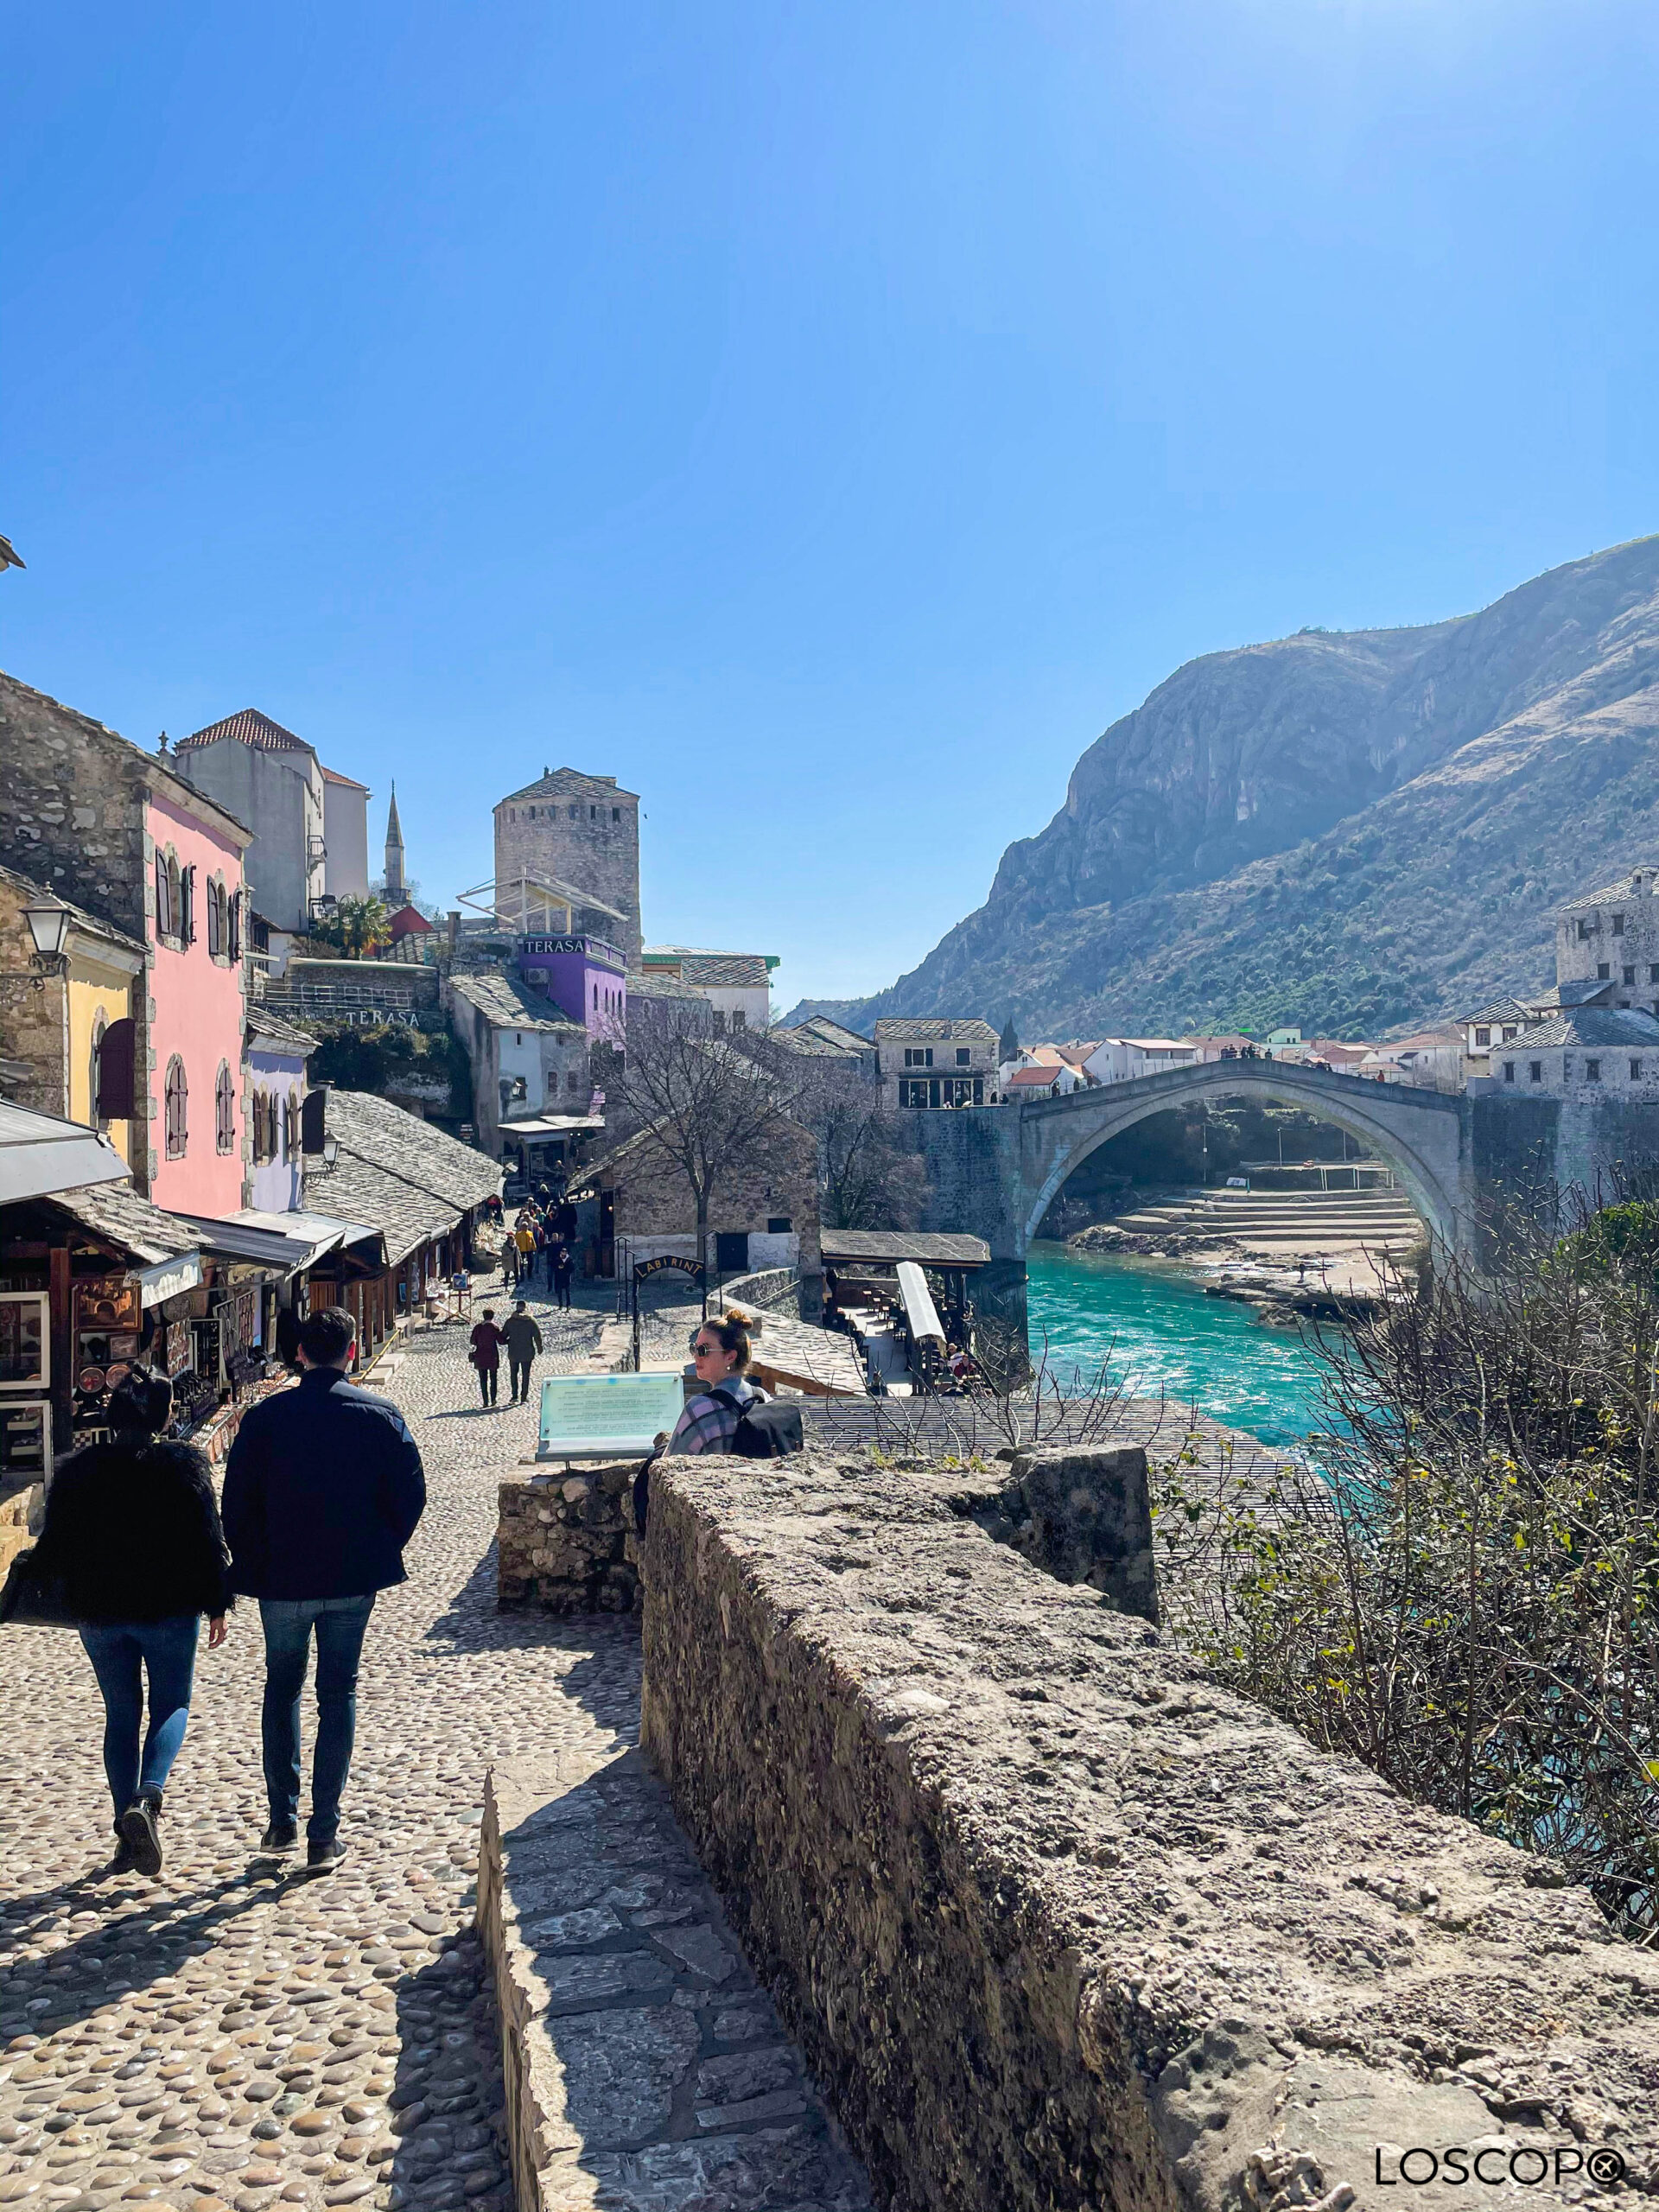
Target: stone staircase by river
{"points": [[1281, 1222]]}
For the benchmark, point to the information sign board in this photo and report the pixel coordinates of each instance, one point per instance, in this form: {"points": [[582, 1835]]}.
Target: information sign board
{"points": [[606, 1416], [667, 1262]]}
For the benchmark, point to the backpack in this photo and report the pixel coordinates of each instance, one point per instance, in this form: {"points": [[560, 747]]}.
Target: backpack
{"points": [[766, 1428]]}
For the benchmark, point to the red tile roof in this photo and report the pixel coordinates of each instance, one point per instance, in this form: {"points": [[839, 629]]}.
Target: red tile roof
{"points": [[334, 776], [1034, 1079], [252, 728]]}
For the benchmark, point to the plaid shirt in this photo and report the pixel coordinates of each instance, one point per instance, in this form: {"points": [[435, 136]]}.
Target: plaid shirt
{"points": [[708, 1424]]}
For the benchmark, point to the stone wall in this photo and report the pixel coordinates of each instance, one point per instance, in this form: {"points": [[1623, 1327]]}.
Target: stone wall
{"points": [[1080, 1515], [1059, 1923], [566, 1541]]}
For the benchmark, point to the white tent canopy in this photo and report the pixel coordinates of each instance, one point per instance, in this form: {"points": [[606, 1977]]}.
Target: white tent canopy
{"points": [[40, 1154]]}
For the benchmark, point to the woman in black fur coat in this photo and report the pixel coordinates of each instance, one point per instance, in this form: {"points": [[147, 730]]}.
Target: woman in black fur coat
{"points": [[132, 1526]]}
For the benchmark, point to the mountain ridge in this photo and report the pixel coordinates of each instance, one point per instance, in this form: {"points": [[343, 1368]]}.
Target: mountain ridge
{"points": [[1355, 831]]}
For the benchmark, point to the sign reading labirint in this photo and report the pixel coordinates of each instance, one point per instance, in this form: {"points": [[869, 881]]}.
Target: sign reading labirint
{"points": [[665, 1261], [605, 1416]]}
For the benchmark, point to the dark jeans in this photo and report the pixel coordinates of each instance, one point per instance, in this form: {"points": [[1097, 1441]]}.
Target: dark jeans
{"points": [[289, 1623], [166, 1652], [488, 1378], [519, 1375], [561, 1289]]}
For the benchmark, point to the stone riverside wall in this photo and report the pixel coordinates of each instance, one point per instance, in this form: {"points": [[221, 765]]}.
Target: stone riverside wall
{"points": [[1058, 1924], [566, 1541], [1080, 1515]]}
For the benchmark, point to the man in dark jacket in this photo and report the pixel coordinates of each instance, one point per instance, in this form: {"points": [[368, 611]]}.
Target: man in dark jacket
{"points": [[523, 1340], [323, 1488]]}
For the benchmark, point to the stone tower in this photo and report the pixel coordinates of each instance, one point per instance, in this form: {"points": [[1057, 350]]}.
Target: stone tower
{"points": [[396, 891], [580, 831]]}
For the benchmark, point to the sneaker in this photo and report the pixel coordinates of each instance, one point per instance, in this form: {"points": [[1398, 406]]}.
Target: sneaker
{"points": [[277, 1838], [139, 1830], [324, 1855], [125, 1858]]}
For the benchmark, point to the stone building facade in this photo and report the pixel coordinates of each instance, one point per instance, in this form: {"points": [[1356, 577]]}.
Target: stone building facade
{"points": [[52, 1026], [936, 1063], [578, 829], [309, 824], [1611, 936], [119, 833]]}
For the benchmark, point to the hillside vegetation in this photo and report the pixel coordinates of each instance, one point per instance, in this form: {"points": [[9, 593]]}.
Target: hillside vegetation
{"points": [[1356, 832]]}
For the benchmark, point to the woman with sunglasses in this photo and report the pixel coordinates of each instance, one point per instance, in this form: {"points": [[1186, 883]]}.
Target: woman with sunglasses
{"points": [[721, 1350]]}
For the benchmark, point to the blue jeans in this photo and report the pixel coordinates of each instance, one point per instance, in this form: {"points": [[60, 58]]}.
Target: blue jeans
{"points": [[288, 1622], [165, 1651]]}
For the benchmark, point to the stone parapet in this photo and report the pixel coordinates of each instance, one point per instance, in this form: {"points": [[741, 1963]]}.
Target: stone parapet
{"points": [[1081, 1515], [1058, 1922], [566, 1543]]}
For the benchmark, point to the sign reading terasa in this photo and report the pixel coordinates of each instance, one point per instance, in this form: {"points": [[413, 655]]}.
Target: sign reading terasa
{"points": [[665, 1262]]}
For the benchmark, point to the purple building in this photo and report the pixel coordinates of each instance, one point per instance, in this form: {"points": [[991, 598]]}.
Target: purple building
{"points": [[585, 977]]}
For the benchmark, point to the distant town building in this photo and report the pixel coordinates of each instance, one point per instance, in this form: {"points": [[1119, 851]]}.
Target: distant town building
{"points": [[1598, 1029], [933, 1063], [309, 824], [578, 830], [1125, 1060], [275, 1086], [532, 1081], [736, 984]]}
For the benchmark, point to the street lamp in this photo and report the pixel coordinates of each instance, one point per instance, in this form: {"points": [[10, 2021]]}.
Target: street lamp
{"points": [[49, 927]]}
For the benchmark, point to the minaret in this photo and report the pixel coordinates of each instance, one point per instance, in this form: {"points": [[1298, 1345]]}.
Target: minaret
{"points": [[395, 894]]}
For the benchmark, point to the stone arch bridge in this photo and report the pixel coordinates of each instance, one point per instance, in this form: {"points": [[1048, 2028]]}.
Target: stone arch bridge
{"points": [[994, 1170]]}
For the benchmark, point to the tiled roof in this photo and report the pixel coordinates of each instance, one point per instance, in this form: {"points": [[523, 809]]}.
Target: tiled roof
{"points": [[116, 1211], [1034, 1079], [1584, 991], [1501, 1010], [654, 983], [742, 970], [334, 776], [568, 782], [934, 1031], [810, 1045], [1593, 1024], [889, 1246], [1624, 888], [251, 728], [836, 1032], [272, 1030], [400, 1174], [507, 1003], [31, 890]]}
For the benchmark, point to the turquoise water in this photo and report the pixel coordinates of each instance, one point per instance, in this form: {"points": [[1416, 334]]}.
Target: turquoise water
{"points": [[1156, 1329]]}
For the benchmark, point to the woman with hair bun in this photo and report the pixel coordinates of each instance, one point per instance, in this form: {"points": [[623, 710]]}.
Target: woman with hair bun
{"points": [[132, 1528], [721, 1350]]}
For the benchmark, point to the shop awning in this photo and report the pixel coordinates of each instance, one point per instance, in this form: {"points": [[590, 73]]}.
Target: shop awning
{"points": [[40, 1154], [292, 1242], [165, 1279], [552, 1125], [921, 1314]]}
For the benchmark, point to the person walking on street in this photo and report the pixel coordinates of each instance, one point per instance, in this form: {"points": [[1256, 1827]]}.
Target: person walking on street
{"points": [[523, 1340], [323, 1489], [564, 1267], [132, 1529], [486, 1356]]}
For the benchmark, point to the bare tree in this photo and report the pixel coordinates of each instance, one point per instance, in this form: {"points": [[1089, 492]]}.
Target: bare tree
{"points": [[705, 1112], [869, 1176]]}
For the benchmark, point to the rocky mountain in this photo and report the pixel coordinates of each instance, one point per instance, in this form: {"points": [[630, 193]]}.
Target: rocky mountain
{"points": [[1355, 832]]}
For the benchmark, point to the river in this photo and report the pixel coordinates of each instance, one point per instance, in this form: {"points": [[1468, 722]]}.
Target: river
{"points": [[1154, 1325]]}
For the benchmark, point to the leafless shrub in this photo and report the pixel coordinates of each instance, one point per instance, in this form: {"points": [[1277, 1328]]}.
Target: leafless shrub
{"points": [[1466, 1595]]}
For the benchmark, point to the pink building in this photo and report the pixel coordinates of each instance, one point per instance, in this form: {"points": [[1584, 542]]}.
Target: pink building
{"points": [[197, 916]]}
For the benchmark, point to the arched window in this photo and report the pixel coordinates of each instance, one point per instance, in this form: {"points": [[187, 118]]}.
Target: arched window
{"points": [[224, 1109], [175, 1104], [95, 1073], [175, 898], [163, 898], [215, 919], [291, 1126]]}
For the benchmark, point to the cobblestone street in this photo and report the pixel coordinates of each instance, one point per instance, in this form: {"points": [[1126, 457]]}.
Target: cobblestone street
{"points": [[236, 2033]]}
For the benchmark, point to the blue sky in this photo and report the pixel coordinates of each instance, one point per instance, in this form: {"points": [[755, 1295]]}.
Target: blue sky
{"points": [[826, 418]]}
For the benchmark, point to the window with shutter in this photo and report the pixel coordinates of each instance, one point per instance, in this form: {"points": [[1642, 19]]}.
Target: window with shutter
{"points": [[187, 906], [215, 919], [234, 930], [224, 1109], [163, 902], [114, 1095], [175, 1102]]}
